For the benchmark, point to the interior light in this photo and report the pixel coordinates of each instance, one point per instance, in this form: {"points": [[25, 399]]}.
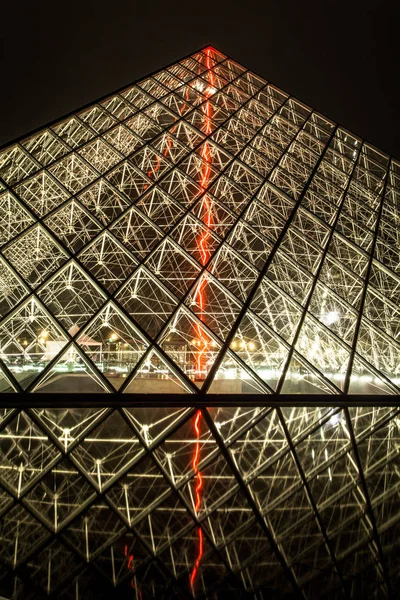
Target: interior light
{"points": [[330, 317]]}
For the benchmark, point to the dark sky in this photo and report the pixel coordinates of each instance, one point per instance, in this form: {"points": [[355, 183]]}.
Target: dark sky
{"points": [[339, 57]]}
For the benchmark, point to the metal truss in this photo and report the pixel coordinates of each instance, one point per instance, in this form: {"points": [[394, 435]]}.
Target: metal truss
{"points": [[199, 348]]}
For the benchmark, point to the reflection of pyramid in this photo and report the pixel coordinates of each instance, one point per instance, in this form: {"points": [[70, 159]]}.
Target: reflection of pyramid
{"points": [[199, 233]]}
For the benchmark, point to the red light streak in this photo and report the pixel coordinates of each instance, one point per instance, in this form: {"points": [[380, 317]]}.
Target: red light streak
{"points": [[198, 488], [152, 172], [203, 244], [131, 567]]}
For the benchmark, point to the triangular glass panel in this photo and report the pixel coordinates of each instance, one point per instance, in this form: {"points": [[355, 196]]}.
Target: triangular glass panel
{"points": [[14, 218], [320, 348], [26, 452], [108, 451], [61, 493], [156, 376], [103, 201], [143, 486], [29, 340], [136, 232], [42, 193], [197, 239], [260, 349], [72, 297], [71, 373], [73, 172], [277, 309], [12, 288], [152, 425], [214, 214], [20, 541], [364, 379], [301, 378], [252, 246], [235, 377], [147, 301], [213, 305], [100, 155], [45, 147], [73, 225], [173, 266], [108, 260], [290, 276], [160, 208], [190, 345], [233, 271], [129, 180], [334, 313], [379, 350], [35, 255], [113, 344]]}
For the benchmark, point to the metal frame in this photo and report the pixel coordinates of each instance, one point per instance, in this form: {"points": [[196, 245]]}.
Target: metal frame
{"points": [[214, 266]]}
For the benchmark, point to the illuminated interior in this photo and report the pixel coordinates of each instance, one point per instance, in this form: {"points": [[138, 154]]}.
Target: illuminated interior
{"points": [[203, 234]]}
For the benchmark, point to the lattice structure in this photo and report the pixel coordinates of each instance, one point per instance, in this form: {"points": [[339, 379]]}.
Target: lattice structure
{"points": [[199, 235]]}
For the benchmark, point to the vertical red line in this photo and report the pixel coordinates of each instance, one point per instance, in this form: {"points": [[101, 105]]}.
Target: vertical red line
{"points": [[198, 488], [131, 567], [203, 241], [203, 244]]}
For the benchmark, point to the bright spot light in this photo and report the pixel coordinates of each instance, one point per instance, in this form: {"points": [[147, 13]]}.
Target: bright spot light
{"points": [[251, 346], [198, 85], [335, 419], [330, 317]]}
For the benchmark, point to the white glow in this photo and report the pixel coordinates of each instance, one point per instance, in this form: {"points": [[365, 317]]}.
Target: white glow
{"points": [[198, 85], [335, 419], [330, 317]]}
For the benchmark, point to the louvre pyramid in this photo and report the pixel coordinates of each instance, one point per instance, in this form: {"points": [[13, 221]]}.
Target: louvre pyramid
{"points": [[199, 238]]}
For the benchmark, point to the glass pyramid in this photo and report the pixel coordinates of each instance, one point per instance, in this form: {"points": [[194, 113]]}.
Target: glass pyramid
{"points": [[199, 238]]}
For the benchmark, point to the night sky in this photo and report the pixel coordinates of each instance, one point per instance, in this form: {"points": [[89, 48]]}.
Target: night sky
{"points": [[341, 58]]}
